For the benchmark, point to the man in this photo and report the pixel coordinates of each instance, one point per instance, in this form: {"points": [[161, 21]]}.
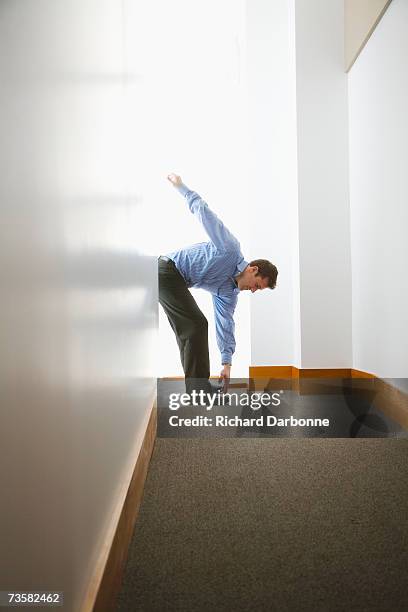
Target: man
{"points": [[219, 267]]}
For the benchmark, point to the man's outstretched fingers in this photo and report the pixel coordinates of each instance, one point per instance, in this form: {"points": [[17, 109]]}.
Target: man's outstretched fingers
{"points": [[174, 179]]}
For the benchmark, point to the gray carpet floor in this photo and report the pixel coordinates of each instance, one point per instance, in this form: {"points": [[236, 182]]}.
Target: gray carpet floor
{"points": [[271, 525]]}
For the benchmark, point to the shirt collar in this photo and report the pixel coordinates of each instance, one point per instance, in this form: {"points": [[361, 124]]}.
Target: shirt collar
{"points": [[241, 265]]}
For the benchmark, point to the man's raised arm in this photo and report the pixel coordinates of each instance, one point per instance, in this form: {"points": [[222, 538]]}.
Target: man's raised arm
{"points": [[216, 230]]}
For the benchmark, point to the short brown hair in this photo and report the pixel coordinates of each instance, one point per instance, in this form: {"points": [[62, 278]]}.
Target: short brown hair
{"points": [[266, 269]]}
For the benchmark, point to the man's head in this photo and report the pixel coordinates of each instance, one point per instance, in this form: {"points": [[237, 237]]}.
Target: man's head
{"points": [[260, 274]]}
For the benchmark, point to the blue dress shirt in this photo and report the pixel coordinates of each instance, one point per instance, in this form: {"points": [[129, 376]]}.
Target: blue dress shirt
{"points": [[212, 266]]}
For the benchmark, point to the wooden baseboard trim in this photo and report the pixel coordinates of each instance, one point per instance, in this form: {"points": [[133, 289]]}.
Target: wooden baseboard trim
{"points": [[294, 372], [389, 399], [270, 372], [361, 374], [183, 378], [311, 381], [107, 578], [302, 380]]}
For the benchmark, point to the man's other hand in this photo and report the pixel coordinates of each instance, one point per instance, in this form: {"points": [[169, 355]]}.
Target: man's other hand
{"points": [[225, 376], [175, 179]]}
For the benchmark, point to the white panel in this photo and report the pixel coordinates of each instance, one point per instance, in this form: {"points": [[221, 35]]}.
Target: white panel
{"points": [[79, 295], [324, 223], [378, 89], [272, 171]]}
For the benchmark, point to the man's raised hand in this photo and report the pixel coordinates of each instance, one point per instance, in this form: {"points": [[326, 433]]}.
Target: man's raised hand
{"points": [[174, 179]]}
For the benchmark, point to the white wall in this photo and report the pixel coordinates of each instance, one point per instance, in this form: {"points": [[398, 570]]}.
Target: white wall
{"points": [[290, 68], [298, 128], [275, 336], [79, 296], [378, 102], [324, 222]]}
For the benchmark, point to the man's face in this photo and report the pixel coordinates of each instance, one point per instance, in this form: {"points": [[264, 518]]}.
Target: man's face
{"points": [[249, 280]]}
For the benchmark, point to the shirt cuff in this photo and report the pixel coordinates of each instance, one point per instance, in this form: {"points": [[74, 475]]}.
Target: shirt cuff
{"points": [[182, 189], [226, 357]]}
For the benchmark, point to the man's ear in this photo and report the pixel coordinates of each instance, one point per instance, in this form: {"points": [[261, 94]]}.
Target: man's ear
{"points": [[255, 269]]}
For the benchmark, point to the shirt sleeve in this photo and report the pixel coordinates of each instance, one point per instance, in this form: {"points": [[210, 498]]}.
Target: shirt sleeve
{"points": [[224, 308], [219, 235]]}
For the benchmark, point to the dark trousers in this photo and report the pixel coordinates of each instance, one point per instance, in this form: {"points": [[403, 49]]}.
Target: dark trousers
{"points": [[189, 325]]}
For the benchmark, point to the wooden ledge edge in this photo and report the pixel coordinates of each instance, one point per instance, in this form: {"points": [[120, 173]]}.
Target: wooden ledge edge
{"points": [[108, 572]]}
